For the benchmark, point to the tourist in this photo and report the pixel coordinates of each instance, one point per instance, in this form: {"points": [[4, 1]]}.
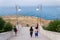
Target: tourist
{"points": [[31, 31], [15, 30], [36, 31]]}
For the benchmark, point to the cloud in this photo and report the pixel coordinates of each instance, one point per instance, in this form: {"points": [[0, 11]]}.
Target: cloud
{"points": [[28, 2], [51, 2]]}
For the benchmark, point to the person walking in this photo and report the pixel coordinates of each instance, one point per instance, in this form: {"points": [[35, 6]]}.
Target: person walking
{"points": [[36, 31], [15, 30], [31, 31]]}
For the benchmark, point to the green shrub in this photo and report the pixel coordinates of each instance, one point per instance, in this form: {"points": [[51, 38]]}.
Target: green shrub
{"points": [[8, 27], [58, 28], [53, 26], [2, 23], [27, 25]]}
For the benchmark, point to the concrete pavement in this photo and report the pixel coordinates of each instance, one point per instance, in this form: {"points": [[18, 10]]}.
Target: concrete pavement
{"points": [[23, 34]]}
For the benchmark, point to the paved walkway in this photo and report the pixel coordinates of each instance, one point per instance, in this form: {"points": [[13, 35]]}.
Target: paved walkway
{"points": [[23, 34]]}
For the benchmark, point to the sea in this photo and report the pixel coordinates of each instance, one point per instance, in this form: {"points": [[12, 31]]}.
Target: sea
{"points": [[45, 12]]}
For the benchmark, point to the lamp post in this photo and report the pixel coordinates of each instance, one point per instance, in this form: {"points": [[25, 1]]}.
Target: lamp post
{"points": [[39, 10], [18, 9]]}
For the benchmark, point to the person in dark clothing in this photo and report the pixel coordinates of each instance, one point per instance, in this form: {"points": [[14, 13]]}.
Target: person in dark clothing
{"points": [[15, 30], [31, 31]]}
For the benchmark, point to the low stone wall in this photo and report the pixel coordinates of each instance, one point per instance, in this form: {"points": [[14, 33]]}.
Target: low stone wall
{"points": [[49, 34], [6, 35]]}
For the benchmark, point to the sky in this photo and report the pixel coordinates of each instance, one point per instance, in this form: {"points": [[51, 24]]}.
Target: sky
{"points": [[28, 2]]}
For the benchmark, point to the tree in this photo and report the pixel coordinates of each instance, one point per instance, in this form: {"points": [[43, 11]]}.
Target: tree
{"points": [[2, 23], [54, 26], [58, 28], [8, 27]]}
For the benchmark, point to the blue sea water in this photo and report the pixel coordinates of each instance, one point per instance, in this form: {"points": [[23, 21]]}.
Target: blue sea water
{"points": [[47, 12]]}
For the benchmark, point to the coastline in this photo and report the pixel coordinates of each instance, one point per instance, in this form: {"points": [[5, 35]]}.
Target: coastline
{"points": [[23, 20]]}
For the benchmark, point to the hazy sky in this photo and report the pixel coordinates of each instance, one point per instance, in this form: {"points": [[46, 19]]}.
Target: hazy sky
{"points": [[28, 2]]}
